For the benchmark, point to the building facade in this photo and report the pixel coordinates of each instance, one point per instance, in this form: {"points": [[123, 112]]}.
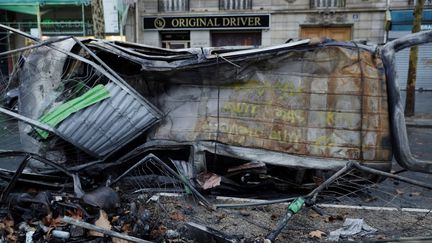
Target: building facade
{"points": [[197, 23], [200, 23]]}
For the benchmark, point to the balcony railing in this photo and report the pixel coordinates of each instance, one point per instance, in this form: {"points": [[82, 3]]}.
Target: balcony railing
{"points": [[77, 28], [323, 4], [235, 4], [173, 5]]}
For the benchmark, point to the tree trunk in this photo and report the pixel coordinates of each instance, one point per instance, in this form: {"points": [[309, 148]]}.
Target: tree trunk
{"points": [[98, 19], [412, 69]]}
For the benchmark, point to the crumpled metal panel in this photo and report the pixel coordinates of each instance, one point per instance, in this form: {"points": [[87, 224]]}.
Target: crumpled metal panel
{"points": [[324, 101], [105, 127], [40, 76]]}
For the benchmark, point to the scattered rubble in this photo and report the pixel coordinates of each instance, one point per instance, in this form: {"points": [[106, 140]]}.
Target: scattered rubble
{"points": [[131, 143]]}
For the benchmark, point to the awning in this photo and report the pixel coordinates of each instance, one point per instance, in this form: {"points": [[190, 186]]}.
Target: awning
{"points": [[30, 6], [402, 20], [26, 9], [42, 2]]}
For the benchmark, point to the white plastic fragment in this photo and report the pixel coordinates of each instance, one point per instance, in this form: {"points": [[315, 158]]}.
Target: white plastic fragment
{"points": [[351, 227]]}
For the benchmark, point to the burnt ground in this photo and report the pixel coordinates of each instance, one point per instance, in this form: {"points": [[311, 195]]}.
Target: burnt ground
{"points": [[253, 223]]}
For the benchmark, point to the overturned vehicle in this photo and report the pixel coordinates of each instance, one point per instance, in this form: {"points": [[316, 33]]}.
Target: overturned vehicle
{"points": [[294, 111]]}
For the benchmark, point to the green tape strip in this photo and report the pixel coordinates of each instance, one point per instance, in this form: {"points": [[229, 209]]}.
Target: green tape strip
{"points": [[63, 111]]}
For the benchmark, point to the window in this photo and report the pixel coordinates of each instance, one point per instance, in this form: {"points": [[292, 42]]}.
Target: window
{"points": [[175, 40], [235, 4], [229, 38], [327, 4], [173, 5]]}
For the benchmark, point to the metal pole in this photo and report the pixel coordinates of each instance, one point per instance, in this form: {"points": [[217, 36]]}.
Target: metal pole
{"points": [[83, 19], [27, 120], [136, 21], [50, 41], [38, 15], [104, 231]]}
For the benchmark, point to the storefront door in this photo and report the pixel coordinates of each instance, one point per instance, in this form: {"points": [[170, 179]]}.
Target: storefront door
{"points": [[336, 33], [175, 40], [175, 44]]}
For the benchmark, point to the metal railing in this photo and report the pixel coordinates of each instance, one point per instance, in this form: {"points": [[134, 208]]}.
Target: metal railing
{"points": [[235, 4], [173, 5], [77, 28], [323, 4]]}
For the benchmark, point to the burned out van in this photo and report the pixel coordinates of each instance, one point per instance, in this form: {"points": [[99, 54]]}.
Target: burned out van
{"points": [[303, 106]]}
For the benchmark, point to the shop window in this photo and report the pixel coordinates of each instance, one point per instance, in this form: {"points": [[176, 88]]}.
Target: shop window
{"points": [[173, 5], [236, 38], [414, 2], [175, 40], [327, 3], [235, 4]]}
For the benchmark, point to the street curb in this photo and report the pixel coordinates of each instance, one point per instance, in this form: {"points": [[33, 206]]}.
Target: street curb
{"points": [[419, 123]]}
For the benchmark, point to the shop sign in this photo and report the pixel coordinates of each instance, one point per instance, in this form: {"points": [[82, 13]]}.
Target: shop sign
{"points": [[110, 13], [256, 21]]}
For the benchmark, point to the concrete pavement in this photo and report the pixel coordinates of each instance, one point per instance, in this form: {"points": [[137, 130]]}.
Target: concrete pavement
{"points": [[420, 120]]}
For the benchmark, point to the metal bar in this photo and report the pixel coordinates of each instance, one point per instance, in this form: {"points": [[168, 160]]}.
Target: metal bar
{"points": [[293, 208], [14, 179], [254, 204], [19, 32], [28, 120], [37, 157], [88, 226], [402, 152], [136, 21], [39, 26], [50, 41], [80, 167], [83, 19], [390, 175]]}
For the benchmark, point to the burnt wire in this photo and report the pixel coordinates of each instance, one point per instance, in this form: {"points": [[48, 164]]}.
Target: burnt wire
{"points": [[217, 111], [361, 98]]}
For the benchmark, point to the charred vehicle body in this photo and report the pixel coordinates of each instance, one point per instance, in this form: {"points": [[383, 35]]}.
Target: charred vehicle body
{"points": [[302, 106]]}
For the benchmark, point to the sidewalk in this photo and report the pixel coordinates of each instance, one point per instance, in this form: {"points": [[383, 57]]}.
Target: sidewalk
{"points": [[419, 120]]}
